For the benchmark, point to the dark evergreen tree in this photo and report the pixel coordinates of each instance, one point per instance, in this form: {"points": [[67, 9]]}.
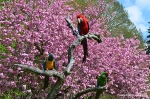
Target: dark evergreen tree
{"points": [[148, 42]]}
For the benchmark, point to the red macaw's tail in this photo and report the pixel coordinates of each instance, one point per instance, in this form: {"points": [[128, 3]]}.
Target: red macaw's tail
{"points": [[85, 48], [46, 82]]}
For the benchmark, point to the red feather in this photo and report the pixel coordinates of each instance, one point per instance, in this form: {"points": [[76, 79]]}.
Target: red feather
{"points": [[84, 26], [83, 29]]}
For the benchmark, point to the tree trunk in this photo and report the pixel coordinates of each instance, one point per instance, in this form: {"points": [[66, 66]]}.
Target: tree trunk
{"points": [[55, 89]]}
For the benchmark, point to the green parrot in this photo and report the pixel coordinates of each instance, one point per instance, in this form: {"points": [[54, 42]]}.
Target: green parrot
{"points": [[102, 79]]}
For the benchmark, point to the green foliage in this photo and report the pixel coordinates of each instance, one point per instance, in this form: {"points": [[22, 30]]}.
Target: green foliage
{"points": [[11, 93], [2, 48], [4, 0], [1, 5], [81, 4]]}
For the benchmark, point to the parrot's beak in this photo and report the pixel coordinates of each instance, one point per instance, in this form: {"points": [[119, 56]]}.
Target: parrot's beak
{"points": [[79, 20]]}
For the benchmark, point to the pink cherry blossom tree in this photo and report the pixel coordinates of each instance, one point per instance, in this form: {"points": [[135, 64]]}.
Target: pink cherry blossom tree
{"points": [[30, 27]]}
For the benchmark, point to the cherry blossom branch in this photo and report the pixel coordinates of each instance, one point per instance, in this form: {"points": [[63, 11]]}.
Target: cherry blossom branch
{"points": [[41, 72], [89, 90], [61, 76]]}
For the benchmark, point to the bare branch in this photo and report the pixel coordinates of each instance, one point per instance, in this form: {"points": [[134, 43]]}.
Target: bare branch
{"points": [[71, 59], [55, 89], [41, 72], [70, 25], [89, 90], [39, 49]]}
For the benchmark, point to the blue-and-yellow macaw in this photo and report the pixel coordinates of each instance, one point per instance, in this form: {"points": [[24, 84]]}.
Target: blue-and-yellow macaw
{"points": [[48, 64], [83, 29]]}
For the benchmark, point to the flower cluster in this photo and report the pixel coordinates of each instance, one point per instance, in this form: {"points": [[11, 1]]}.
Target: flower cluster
{"points": [[30, 27]]}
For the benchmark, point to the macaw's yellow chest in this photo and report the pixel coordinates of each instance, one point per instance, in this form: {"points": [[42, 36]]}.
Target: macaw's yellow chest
{"points": [[49, 65]]}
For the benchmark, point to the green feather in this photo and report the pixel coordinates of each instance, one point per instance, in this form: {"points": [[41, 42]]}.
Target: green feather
{"points": [[102, 79]]}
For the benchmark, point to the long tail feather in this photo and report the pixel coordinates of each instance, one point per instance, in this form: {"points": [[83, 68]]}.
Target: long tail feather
{"points": [[85, 48], [46, 82]]}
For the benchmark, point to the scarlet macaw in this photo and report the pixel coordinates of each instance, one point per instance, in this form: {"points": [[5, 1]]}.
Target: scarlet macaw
{"points": [[83, 29], [102, 79], [48, 64]]}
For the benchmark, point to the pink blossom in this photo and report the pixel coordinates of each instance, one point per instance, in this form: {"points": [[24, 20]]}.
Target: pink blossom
{"points": [[2, 75], [29, 91], [24, 87], [45, 26]]}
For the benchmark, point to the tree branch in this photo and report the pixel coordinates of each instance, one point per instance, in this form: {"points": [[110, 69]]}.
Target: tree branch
{"points": [[70, 25], [55, 89], [71, 59], [39, 49], [41, 72], [61, 77], [89, 90]]}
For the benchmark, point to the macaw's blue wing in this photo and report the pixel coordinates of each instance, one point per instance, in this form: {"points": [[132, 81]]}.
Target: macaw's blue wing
{"points": [[44, 65], [79, 29], [97, 84]]}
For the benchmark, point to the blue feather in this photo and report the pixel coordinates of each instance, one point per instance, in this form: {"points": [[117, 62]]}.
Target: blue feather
{"points": [[51, 57], [79, 29], [44, 65]]}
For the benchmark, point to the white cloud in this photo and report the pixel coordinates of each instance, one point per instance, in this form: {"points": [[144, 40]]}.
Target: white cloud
{"points": [[144, 4], [135, 15], [142, 27]]}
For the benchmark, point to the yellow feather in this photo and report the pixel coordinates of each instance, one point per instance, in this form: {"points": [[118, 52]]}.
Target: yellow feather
{"points": [[49, 65]]}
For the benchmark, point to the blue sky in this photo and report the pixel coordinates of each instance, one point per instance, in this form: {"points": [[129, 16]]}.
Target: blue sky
{"points": [[139, 13]]}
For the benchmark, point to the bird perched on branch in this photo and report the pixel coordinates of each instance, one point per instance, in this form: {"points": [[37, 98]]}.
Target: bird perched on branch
{"points": [[48, 64], [83, 29], [102, 79]]}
